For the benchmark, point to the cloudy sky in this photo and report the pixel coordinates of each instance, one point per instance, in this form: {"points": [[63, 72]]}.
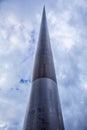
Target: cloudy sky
{"points": [[19, 30]]}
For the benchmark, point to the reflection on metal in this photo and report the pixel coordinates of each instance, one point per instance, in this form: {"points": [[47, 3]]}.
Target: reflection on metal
{"points": [[44, 66], [44, 111]]}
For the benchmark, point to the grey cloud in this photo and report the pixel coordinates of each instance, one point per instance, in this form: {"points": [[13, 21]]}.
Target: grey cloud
{"points": [[71, 70], [72, 92], [70, 65]]}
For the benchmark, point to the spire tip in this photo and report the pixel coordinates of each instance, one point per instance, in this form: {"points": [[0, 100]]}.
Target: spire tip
{"points": [[44, 7]]}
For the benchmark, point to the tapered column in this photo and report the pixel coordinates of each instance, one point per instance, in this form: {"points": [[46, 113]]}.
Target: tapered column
{"points": [[44, 110]]}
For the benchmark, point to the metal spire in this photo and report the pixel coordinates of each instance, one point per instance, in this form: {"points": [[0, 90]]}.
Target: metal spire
{"points": [[44, 66], [44, 110]]}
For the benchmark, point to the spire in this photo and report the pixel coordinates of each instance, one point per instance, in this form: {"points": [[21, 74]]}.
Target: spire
{"points": [[44, 12], [44, 66], [44, 110]]}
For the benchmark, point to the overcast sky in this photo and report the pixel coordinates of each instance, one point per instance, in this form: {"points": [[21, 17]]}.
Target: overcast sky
{"points": [[19, 30]]}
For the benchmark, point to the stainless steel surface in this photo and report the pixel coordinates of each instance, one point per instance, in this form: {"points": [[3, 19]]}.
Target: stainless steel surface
{"points": [[44, 112], [44, 66]]}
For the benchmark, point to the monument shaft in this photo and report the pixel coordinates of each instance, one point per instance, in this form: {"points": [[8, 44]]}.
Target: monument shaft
{"points": [[44, 111]]}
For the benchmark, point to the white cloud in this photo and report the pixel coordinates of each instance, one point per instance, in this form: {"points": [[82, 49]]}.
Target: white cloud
{"points": [[68, 40], [62, 33]]}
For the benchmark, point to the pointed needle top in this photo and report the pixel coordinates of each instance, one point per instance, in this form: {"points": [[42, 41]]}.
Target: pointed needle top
{"points": [[44, 7], [44, 12]]}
